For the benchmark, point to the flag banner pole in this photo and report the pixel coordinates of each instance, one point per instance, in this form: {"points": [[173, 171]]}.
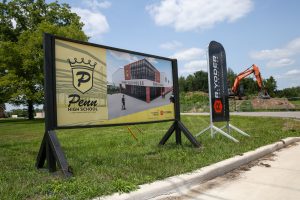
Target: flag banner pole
{"points": [[218, 92]]}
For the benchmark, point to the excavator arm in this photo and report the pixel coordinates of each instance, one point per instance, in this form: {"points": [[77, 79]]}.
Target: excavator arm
{"points": [[255, 70]]}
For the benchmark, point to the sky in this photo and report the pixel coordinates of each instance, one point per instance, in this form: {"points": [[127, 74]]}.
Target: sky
{"points": [[265, 33]]}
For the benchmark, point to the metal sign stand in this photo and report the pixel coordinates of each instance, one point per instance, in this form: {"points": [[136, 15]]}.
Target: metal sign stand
{"points": [[213, 129], [51, 151], [177, 126]]}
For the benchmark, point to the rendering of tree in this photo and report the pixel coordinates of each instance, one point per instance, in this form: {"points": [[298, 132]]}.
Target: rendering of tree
{"points": [[23, 23]]}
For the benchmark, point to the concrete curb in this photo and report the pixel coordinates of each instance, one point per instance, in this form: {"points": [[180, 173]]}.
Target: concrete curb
{"points": [[185, 181]]}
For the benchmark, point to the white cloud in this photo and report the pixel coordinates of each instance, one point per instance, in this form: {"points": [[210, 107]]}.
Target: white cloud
{"points": [[95, 23], [290, 78], [129, 57], [280, 63], [285, 56], [151, 60], [294, 45], [123, 56], [95, 4], [290, 49], [186, 15], [189, 54], [270, 54], [194, 66], [170, 45], [293, 72]]}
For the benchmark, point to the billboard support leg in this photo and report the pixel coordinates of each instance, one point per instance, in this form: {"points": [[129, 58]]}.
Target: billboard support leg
{"points": [[178, 135], [168, 134], [178, 126], [41, 158], [51, 151], [189, 136]]}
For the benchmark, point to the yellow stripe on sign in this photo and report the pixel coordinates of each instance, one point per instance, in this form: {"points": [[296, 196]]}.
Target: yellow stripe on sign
{"points": [[154, 114]]}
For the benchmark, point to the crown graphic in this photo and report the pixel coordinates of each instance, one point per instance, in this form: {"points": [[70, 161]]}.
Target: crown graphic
{"points": [[82, 64]]}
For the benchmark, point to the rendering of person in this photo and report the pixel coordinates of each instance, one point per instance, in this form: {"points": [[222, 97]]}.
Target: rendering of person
{"points": [[172, 98], [123, 102]]}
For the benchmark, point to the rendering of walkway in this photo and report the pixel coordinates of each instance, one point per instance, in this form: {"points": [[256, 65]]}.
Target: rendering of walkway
{"points": [[132, 104]]}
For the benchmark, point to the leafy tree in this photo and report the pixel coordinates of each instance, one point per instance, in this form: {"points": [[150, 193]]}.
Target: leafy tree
{"points": [[23, 23], [250, 86], [190, 83], [289, 92], [230, 77], [182, 84], [270, 85], [201, 81]]}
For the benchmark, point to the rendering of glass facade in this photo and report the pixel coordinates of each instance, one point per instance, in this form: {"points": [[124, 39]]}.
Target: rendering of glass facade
{"points": [[142, 69]]}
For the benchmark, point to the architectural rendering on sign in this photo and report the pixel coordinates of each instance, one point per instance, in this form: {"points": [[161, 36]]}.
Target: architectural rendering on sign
{"points": [[96, 85], [141, 84], [142, 80]]}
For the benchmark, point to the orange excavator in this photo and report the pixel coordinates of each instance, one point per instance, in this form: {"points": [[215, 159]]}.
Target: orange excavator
{"points": [[263, 94]]}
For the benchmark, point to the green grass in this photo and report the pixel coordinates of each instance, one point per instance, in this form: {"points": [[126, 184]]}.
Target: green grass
{"points": [[246, 105], [108, 160], [296, 103], [194, 102]]}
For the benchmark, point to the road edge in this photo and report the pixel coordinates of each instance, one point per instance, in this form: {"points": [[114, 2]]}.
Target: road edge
{"points": [[188, 180]]}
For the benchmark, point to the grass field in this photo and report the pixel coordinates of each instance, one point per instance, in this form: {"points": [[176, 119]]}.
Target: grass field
{"points": [[108, 160], [296, 103]]}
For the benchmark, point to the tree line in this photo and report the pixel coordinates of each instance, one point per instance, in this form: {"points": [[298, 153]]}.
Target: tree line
{"points": [[199, 82]]}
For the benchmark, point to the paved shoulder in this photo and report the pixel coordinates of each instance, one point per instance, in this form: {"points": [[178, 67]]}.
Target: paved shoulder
{"points": [[272, 177]]}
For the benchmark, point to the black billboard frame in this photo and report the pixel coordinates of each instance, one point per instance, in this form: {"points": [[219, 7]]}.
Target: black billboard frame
{"points": [[50, 148]]}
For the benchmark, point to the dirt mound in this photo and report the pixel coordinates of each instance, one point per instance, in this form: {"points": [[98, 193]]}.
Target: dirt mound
{"points": [[273, 103]]}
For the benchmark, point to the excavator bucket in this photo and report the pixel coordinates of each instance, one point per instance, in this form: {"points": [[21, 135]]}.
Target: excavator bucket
{"points": [[263, 95]]}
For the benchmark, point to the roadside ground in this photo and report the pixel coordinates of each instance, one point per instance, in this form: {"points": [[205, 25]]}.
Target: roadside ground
{"points": [[275, 176]]}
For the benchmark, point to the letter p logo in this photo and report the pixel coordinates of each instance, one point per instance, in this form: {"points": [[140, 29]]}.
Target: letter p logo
{"points": [[82, 74]]}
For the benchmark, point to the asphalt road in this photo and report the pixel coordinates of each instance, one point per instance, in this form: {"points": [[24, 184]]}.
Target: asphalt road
{"points": [[291, 114], [274, 177]]}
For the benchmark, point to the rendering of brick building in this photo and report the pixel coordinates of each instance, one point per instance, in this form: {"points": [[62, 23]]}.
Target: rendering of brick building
{"points": [[143, 81]]}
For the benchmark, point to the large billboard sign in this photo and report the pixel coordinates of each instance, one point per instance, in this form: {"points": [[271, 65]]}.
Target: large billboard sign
{"points": [[218, 82], [89, 85], [98, 85]]}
